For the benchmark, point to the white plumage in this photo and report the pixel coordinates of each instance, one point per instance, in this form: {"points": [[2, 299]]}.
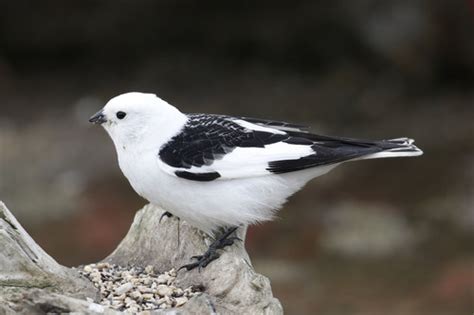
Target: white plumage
{"points": [[219, 171]]}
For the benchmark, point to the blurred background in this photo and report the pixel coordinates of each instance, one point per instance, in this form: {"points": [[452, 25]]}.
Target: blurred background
{"points": [[374, 237]]}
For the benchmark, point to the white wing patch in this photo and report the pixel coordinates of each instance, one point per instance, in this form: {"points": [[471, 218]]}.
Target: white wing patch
{"points": [[247, 162], [255, 127]]}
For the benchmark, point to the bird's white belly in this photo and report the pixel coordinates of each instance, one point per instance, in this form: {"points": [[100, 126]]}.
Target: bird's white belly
{"points": [[209, 205]]}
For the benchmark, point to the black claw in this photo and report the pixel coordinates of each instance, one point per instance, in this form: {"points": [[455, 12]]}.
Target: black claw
{"points": [[226, 242], [165, 214], [235, 238], [211, 254], [188, 266]]}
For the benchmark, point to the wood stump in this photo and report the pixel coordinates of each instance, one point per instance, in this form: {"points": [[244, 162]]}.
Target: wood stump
{"points": [[32, 282]]}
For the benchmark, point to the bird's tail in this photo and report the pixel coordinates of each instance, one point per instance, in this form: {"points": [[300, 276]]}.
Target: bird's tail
{"points": [[395, 148]]}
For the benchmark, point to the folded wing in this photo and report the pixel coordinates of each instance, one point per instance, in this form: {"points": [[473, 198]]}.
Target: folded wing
{"points": [[213, 147]]}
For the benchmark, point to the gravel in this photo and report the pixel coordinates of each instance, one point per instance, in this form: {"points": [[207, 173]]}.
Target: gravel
{"points": [[136, 289]]}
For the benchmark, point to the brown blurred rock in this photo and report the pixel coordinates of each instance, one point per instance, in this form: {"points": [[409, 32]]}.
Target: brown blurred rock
{"points": [[366, 230]]}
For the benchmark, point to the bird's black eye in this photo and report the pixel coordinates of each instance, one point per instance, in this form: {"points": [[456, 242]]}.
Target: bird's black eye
{"points": [[121, 115]]}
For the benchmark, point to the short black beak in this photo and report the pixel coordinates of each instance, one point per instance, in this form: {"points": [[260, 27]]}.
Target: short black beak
{"points": [[98, 118]]}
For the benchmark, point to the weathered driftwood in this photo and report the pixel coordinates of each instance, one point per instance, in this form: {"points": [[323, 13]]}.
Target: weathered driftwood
{"points": [[33, 282]]}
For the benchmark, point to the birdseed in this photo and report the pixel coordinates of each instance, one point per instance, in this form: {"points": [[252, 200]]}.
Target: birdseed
{"points": [[136, 289]]}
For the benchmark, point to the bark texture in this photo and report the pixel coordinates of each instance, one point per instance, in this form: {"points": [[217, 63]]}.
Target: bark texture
{"points": [[33, 282]]}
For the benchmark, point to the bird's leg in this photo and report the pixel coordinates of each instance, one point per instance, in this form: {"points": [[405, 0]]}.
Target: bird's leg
{"points": [[211, 254], [165, 214]]}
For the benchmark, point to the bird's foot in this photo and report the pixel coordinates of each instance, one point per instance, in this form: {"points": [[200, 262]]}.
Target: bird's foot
{"points": [[211, 254], [165, 214]]}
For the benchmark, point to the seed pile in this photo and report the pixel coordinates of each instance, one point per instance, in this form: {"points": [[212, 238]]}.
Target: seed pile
{"points": [[136, 289]]}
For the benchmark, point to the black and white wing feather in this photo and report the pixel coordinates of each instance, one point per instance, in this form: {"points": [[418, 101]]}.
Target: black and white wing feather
{"points": [[279, 125], [211, 147]]}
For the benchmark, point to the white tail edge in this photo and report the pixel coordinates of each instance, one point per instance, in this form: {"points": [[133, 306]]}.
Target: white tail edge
{"points": [[405, 148]]}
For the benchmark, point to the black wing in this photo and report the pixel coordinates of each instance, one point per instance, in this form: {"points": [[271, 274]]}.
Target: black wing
{"points": [[195, 152], [207, 138]]}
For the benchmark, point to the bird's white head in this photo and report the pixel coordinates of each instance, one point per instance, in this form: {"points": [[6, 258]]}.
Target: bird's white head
{"points": [[131, 117]]}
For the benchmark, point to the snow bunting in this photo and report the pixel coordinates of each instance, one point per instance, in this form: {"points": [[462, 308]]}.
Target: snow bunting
{"points": [[220, 172]]}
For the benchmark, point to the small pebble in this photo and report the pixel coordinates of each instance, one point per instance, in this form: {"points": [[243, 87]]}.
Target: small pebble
{"points": [[164, 290], [163, 278], [180, 301], [136, 295], [147, 296], [124, 288], [144, 289], [149, 269], [103, 265], [121, 297]]}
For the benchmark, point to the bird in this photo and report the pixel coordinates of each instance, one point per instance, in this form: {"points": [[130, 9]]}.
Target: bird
{"points": [[220, 172]]}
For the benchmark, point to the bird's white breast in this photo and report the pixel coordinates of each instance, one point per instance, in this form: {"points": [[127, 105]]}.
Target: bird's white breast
{"points": [[208, 205]]}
